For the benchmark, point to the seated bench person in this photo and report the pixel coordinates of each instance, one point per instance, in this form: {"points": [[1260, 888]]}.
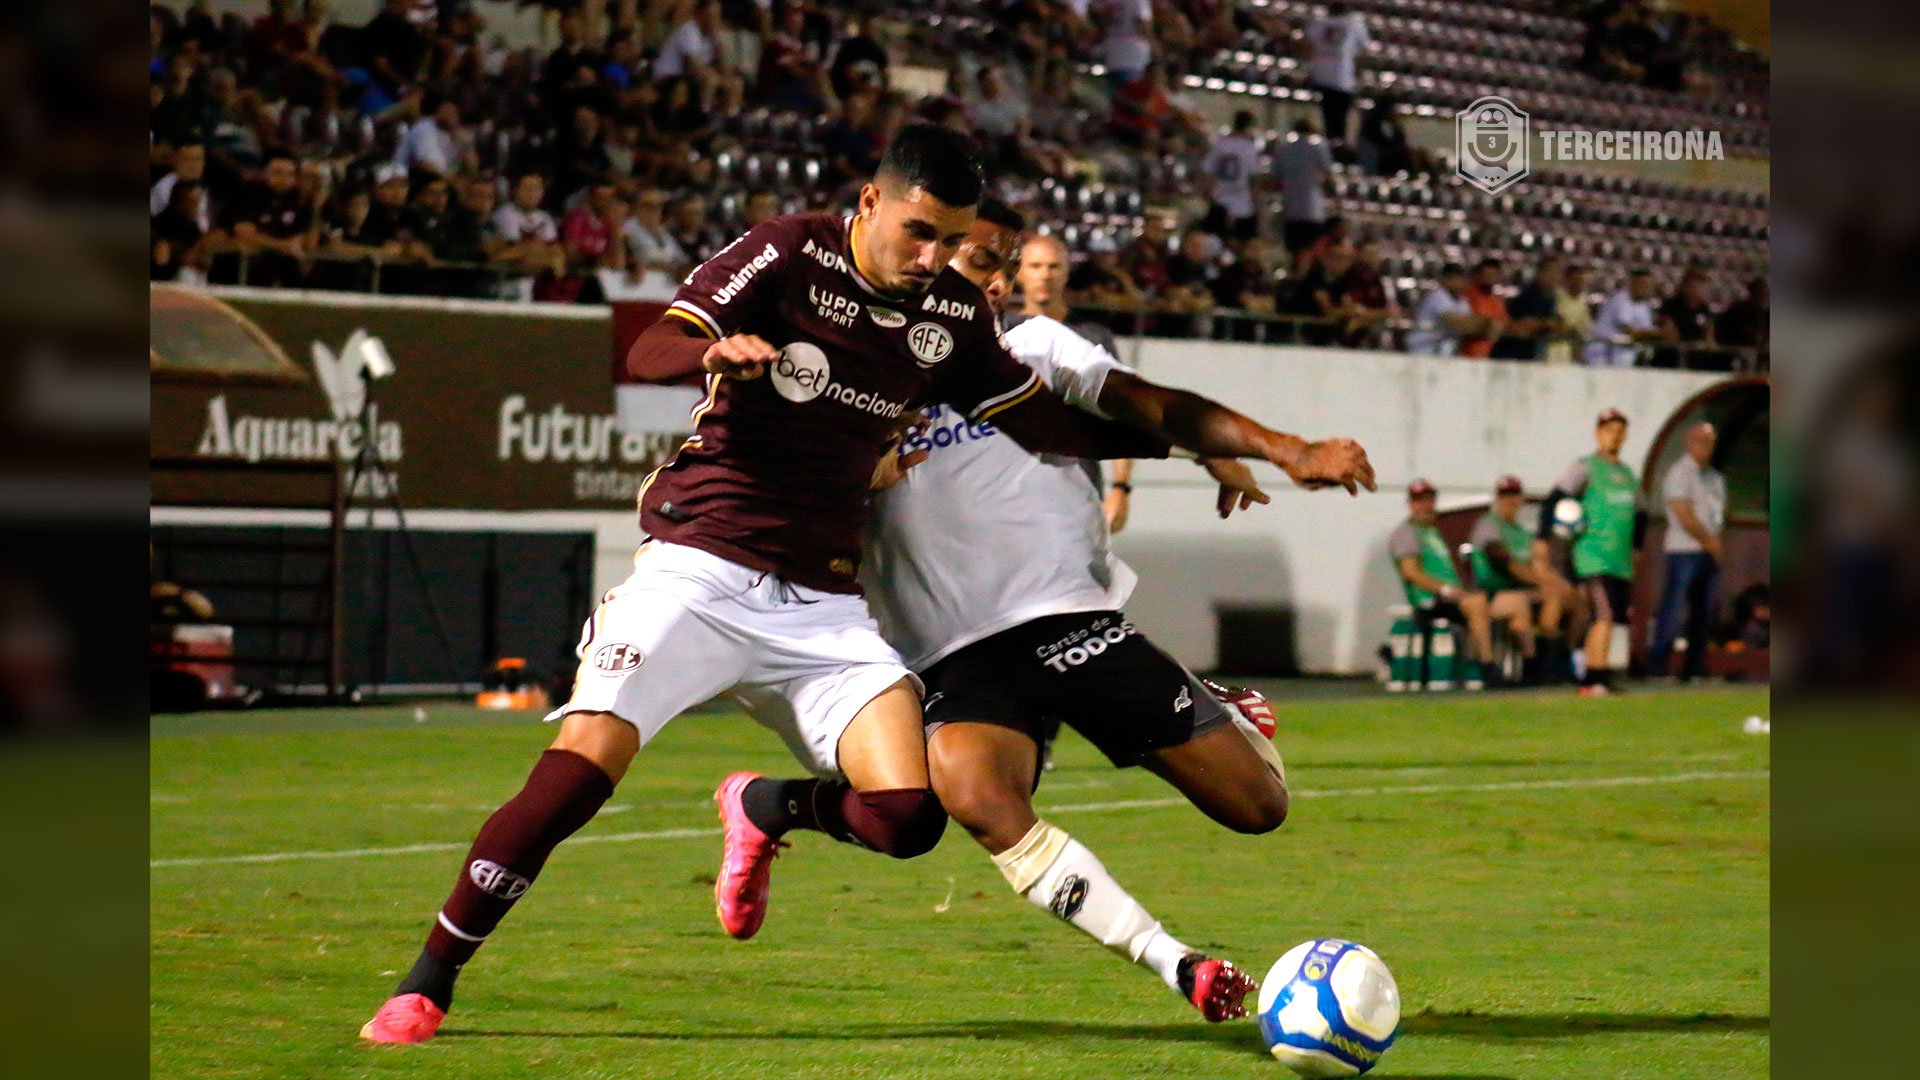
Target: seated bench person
{"points": [[1505, 570], [1433, 584]]}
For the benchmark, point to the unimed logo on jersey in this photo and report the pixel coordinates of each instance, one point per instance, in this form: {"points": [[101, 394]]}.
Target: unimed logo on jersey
{"points": [[732, 286]]}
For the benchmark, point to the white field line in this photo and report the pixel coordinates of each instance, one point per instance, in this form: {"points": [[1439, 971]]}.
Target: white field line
{"points": [[1568, 784]]}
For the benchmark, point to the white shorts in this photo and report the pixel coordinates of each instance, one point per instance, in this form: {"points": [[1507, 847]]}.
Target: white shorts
{"points": [[688, 626]]}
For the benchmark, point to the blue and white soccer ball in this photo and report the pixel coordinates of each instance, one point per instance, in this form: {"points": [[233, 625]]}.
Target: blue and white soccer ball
{"points": [[1569, 518], [1329, 1008]]}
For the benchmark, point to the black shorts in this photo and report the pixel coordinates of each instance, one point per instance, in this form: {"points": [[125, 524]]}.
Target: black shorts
{"points": [[1089, 670], [1608, 595], [1220, 224], [1439, 608]]}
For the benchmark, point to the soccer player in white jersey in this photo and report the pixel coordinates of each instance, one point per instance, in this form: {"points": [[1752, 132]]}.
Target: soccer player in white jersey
{"points": [[989, 570]]}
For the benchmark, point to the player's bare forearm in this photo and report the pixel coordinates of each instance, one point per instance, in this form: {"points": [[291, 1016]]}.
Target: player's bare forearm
{"points": [[1682, 511], [1411, 571], [1211, 429], [1192, 422], [1044, 424]]}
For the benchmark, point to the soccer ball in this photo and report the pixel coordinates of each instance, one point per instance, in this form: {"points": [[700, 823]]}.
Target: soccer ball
{"points": [[1569, 518], [1329, 1008]]}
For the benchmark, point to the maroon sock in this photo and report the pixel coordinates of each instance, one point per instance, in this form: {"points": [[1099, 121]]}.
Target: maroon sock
{"points": [[562, 793]]}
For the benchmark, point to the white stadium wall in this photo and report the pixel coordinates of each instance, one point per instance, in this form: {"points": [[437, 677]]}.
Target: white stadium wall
{"points": [[1459, 423], [1320, 556]]}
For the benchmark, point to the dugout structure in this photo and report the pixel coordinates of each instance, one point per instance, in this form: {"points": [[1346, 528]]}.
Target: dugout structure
{"points": [[288, 630]]}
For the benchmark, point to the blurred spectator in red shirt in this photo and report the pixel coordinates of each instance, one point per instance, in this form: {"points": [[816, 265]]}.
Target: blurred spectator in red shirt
{"points": [[1487, 304], [790, 76], [584, 230], [1145, 259]]}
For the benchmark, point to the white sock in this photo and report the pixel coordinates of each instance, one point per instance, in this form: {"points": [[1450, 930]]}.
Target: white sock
{"points": [[1054, 871]]}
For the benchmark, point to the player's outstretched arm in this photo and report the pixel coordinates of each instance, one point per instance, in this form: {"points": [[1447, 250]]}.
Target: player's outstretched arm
{"points": [[1042, 423], [674, 350], [1209, 428]]}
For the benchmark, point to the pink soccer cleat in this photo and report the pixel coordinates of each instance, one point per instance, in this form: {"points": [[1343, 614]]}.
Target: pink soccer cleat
{"points": [[406, 1018], [746, 861], [1251, 704], [1217, 988]]}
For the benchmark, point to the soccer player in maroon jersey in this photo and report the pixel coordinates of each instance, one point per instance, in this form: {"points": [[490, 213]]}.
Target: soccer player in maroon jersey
{"points": [[817, 334]]}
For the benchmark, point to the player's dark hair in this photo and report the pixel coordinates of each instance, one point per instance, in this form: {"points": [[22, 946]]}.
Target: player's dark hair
{"points": [[1243, 121], [1486, 263], [999, 213], [1451, 269], [937, 160]]}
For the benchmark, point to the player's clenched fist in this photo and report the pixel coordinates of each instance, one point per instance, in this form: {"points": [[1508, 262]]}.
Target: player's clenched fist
{"points": [[1332, 463], [740, 356]]}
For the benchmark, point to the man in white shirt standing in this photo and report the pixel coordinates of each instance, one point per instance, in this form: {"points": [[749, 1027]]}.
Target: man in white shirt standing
{"points": [[1127, 48], [1230, 166], [1695, 494], [1444, 316], [1334, 42], [1304, 164], [1625, 320]]}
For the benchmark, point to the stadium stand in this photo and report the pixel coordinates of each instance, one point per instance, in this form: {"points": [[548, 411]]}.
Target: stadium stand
{"points": [[390, 154]]}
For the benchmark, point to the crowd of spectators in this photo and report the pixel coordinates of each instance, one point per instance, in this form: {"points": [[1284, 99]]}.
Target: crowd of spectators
{"points": [[416, 153], [1628, 42]]}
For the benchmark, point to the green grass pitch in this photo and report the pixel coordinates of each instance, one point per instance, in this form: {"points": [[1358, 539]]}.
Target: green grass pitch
{"points": [[1564, 888]]}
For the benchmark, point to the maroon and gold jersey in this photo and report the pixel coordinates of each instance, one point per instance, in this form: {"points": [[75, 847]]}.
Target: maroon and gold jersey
{"points": [[775, 476]]}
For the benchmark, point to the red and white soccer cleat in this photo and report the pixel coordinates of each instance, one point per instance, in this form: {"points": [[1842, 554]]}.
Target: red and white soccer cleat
{"points": [[746, 860], [406, 1018], [1217, 988], [1594, 690], [1251, 704]]}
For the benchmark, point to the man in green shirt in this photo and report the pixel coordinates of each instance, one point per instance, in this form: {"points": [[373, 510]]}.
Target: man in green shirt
{"points": [[1433, 583], [1505, 569], [1605, 549]]}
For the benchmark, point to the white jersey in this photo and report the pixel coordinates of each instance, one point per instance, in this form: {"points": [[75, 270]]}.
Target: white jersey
{"points": [[983, 536], [1231, 163], [1335, 43]]}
